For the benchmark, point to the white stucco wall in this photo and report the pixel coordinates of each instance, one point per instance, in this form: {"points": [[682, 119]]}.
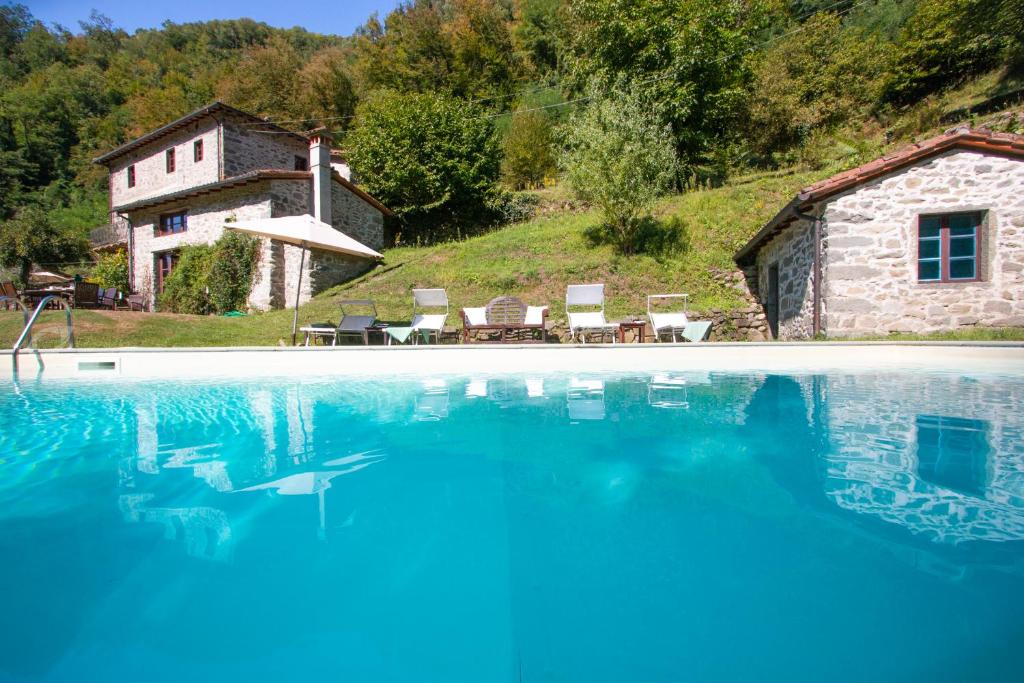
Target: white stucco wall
{"points": [[870, 249]]}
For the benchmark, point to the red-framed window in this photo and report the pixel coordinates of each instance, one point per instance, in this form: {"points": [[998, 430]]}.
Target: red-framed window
{"points": [[131, 176], [173, 223], [949, 247], [164, 266], [197, 150], [170, 160]]}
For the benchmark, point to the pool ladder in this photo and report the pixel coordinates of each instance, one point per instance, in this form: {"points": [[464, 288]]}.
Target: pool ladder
{"points": [[26, 332]]}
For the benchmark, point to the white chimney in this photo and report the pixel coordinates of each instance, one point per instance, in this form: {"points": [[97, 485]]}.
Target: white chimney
{"points": [[320, 165]]}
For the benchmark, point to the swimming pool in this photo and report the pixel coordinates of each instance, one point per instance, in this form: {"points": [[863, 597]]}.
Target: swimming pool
{"points": [[655, 526]]}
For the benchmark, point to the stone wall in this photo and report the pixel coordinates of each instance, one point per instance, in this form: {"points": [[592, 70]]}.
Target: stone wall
{"points": [[151, 176], [206, 218], [870, 250], [793, 251], [246, 148], [356, 218]]}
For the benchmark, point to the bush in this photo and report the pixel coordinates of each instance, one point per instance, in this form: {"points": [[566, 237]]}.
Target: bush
{"points": [[185, 289], [214, 278], [431, 159], [619, 158], [112, 271], [232, 267]]}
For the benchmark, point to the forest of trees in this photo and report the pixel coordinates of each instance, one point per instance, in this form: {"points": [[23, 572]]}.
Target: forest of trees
{"points": [[745, 83]]}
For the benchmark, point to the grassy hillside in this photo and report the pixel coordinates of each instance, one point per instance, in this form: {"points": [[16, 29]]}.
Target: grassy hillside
{"points": [[533, 260]]}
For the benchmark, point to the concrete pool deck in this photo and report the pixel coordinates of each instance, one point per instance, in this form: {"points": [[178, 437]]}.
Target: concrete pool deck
{"points": [[792, 357]]}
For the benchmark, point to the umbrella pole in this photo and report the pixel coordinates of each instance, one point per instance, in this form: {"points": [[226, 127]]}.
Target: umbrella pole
{"points": [[298, 291]]}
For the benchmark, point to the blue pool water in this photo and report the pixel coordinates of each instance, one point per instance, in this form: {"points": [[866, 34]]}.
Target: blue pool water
{"points": [[667, 527]]}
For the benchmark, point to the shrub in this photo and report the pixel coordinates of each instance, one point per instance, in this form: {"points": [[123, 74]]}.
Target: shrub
{"points": [[112, 271], [431, 159], [619, 158], [232, 267], [185, 289]]}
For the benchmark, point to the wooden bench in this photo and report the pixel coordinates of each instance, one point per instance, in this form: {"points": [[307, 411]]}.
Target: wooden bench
{"points": [[508, 316]]}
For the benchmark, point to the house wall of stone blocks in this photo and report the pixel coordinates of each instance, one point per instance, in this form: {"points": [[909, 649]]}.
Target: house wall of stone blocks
{"points": [[869, 253], [793, 251], [206, 218], [150, 162], [249, 147], [870, 264], [277, 272]]}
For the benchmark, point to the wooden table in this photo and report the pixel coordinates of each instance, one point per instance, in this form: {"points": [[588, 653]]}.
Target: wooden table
{"points": [[638, 327]]}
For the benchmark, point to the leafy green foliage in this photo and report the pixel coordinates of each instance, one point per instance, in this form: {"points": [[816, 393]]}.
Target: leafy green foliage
{"points": [[231, 271], [112, 271], [460, 46], [212, 278], [30, 237], [945, 40], [430, 158], [186, 289], [688, 57], [528, 151], [618, 157], [804, 86]]}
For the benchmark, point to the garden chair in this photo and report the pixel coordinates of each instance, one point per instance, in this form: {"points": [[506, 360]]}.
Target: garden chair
{"points": [[582, 322], [426, 324], [674, 321]]}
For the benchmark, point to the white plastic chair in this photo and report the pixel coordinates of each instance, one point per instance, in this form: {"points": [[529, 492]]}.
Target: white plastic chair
{"points": [[581, 322], [675, 322], [428, 323]]}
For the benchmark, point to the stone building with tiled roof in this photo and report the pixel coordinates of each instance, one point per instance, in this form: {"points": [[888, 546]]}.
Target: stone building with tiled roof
{"points": [[179, 184], [927, 239]]}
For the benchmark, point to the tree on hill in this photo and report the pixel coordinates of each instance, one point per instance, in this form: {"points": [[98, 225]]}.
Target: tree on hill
{"points": [[689, 57], [528, 150], [620, 158], [30, 238], [430, 158]]}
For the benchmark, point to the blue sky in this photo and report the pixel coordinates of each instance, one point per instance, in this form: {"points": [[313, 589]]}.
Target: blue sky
{"points": [[340, 17]]}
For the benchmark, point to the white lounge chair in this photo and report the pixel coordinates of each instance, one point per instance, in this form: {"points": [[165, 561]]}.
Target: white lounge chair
{"points": [[582, 322], [426, 324], [675, 322]]}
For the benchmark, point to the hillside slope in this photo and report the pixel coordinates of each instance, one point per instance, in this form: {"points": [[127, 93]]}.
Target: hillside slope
{"points": [[534, 260]]}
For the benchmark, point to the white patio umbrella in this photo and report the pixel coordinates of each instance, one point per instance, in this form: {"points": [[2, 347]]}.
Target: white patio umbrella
{"points": [[309, 233], [48, 277]]}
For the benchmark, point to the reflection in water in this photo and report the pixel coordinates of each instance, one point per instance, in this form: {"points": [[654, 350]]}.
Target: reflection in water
{"points": [[585, 399], [204, 531], [942, 458], [432, 403], [601, 528]]}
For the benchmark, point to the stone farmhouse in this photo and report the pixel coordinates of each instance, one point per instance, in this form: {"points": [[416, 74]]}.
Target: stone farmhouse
{"points": [[179, 184], [927, 239]]}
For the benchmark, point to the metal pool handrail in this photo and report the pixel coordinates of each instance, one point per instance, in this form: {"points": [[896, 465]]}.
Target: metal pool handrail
{"points": [[26, 333]]}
